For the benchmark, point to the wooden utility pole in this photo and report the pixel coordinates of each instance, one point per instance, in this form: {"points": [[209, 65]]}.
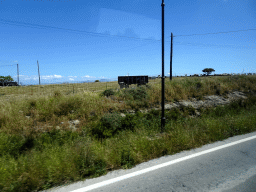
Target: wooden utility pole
{"points": [[38, 72], [163, 76], [171, 56], [18, 76]]}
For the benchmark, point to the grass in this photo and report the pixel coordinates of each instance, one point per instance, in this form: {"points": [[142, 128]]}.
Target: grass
{"points": [[38, 150]]}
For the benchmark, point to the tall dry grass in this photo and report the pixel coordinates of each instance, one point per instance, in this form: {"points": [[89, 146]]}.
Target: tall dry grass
{"points": [[38, 150]]}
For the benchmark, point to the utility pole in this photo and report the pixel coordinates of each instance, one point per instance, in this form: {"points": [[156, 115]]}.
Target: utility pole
{"points": [[38, 72], [18, 76], [163, 76], [171, 56]]}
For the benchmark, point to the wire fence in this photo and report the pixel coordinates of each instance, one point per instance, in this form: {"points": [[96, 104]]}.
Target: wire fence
{"points": [[11, 93]]}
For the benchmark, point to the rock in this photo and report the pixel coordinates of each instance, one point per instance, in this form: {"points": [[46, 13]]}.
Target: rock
{"points": [[215, 100], [208, 101], [144, 111], [122, 114], [131, 111], [74, 122], [236, 95]]}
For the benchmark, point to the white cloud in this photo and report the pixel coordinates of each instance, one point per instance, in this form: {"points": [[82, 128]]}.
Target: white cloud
{"points": [[71, 79], [31, 78], [52, 77], [57, 76], [87, 76], [72, 76]]}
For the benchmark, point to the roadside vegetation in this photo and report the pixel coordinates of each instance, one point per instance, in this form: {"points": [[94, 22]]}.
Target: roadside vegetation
{"points": [[38, 149]]}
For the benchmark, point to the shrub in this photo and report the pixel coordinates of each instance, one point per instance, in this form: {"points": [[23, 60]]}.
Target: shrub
{"points": [[173, 114], [136, 98], [57, 94], [65, 107], [128, 122], [153, 114], [3, 120], [97, 80], [55, 137], [107, 126], [14, 145], [108, 92], [127, 160], [199, 85], [219, 111], [140, 93], [186, 111]]}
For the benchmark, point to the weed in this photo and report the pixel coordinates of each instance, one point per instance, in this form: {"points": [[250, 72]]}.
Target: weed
{"points": [[57, 94], [173, 114], [127, 160], [219, 111]]}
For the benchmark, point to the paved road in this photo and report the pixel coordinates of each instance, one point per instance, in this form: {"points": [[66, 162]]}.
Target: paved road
{"points": [[214, 167]]}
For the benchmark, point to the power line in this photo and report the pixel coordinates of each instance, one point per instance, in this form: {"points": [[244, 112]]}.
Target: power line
{"points": [[23, 24], [216, 33], [7, 65], [213, 45]]}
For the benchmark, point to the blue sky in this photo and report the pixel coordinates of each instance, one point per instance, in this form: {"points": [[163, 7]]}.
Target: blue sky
{"points": [[82, 40]]}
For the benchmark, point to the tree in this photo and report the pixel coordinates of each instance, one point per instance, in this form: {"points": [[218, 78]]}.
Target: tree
{"points": [[6, 78], [208, 70]]}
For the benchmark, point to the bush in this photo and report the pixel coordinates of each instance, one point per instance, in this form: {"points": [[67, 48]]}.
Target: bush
{"points": [[140, 93], [14, 145], [65, 107], [127, 160], [219, 111], [173, 114], [136, 98], [55, 137], [107, 126], [108, 92], [97, 80], [128, 122]]}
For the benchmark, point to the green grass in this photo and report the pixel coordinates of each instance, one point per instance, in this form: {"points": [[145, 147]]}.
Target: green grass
{"points": [[33, 159]]}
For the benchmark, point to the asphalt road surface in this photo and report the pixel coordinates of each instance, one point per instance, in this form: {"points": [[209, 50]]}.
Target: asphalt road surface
{"points": [[224, 166]]}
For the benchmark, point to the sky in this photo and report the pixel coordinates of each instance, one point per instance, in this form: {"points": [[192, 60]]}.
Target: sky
{"points": [[88, 40]]}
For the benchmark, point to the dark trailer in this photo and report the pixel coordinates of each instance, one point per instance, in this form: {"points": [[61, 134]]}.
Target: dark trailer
{"points": [[8, 83], [125, 81]]}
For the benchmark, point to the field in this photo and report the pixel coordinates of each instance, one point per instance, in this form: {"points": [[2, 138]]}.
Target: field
{"points": [[39, 149]]}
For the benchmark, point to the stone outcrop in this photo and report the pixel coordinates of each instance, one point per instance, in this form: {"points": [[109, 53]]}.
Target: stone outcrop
{"points": [[207, 101]]}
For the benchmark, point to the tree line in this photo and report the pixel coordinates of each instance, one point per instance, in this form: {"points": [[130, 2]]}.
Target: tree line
{"points": [[6, 78]]}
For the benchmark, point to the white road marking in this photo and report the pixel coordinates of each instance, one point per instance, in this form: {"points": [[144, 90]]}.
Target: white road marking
{"points": [[110, 181]]}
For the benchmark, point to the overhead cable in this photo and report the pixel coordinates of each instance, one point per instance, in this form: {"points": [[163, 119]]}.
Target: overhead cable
{"points": [[216, 33], [67, 29]]}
